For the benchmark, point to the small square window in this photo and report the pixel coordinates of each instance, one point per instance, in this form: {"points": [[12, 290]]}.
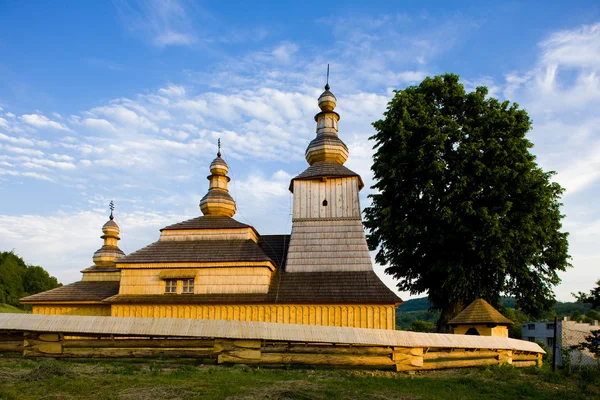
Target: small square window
{"points": [[171, 286], [550, 342], [188, 286], [550, 326], [531, 339], [531, 327]]}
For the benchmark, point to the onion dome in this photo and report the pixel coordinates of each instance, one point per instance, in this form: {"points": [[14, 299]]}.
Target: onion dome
{"points": [[218, 201], [327, 146], [106, 255]]}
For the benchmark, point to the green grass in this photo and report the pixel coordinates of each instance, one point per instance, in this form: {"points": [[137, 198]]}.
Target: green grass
{"points": [[7, 308], [186, 379]]}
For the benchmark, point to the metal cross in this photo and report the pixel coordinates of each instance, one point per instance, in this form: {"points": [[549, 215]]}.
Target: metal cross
{"points": [[327, 83], [111, 205], [219, 144]]}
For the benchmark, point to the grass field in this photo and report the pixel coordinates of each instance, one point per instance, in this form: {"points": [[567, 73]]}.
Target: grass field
{"points": [[186, 379], [7, 308]]}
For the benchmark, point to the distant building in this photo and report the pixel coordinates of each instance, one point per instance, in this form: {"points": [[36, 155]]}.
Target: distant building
{"points": [[480, 318], [568, 333]]}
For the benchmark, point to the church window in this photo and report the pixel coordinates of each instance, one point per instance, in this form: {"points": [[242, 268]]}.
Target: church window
{"points": [[324, 203], [171, 286], [188, 286]]}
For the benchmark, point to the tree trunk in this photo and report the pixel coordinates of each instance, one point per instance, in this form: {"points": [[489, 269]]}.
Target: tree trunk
{"points": [[448, 312]]}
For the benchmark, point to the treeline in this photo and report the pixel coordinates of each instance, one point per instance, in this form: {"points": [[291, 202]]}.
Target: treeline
{"points": [[18, 279], [414, 315]]}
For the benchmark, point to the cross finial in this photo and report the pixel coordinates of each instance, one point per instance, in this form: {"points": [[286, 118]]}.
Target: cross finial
{"points": [[327, 82], [111, 205], [219, 145]]}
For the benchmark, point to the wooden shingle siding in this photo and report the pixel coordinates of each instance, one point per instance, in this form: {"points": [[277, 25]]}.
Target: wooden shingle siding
{"points": [[78, 291], [196, 251], [328, 245], [208, 222]]}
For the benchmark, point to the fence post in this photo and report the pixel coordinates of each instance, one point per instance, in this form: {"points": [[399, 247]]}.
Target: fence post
{"points": [[554, 346]]}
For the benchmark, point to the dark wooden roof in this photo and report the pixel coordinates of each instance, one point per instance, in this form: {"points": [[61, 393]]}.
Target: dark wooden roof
{"points": [[330, 287], [276, 247], [207, 222], [480, 312], [78, 291], [362, 287], [197, 251], [326, 169]]}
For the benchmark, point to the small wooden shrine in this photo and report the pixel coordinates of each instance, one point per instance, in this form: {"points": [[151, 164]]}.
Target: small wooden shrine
{"points": [[480, 318]]}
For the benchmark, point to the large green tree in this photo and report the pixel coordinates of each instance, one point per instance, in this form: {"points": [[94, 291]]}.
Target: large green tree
{"points": [[18, 279], [461, 209]]}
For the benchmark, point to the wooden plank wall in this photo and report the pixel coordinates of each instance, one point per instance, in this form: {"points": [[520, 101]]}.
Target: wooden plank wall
{"points": [[355, 316], [341, 195], [207, 280], [93, 310], [227, 351]]}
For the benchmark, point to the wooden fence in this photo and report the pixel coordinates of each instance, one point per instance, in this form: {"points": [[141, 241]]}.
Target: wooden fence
{"points": [[253, 351]]}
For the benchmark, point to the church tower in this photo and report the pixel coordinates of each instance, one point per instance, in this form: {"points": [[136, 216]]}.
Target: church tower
{"points": [[327, 231]]}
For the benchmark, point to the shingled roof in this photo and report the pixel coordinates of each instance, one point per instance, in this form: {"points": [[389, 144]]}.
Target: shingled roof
{"points": [[197, 251], [326, 169], [207, 222], [362, 287], [480, 312], [78, 291], [276, 247]]}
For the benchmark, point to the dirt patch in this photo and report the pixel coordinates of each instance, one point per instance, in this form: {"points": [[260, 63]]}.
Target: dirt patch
{"points": [[284, 390], [156, 393]]}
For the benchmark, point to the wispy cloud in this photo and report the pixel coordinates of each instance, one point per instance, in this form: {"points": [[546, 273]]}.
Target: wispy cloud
{"points": [[41, 121], [161, 23]]}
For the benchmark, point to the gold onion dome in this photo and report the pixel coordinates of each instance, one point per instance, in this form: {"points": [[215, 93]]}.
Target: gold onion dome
{"points": [[327, 146], [106, 255], [218, 201]]}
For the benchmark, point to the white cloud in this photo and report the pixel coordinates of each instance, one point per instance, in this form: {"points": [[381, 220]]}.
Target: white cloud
{"points": [[21, 150], [41, 121], [99, 124], [20, 141], [576, 48], [120, 114], [172, 91]]}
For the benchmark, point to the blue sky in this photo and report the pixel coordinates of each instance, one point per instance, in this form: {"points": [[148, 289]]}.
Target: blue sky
{"points": [[125, 100]]}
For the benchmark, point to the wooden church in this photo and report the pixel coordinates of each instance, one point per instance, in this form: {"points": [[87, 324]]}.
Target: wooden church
{"points": [[214, 267]]}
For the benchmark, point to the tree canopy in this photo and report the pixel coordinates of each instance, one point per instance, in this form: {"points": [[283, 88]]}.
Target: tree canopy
{"points": [[592, 298], [18, 279], [461, 208]]}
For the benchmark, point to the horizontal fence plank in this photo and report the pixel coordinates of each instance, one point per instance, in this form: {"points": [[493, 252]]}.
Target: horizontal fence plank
{"points": [[435, 355], [126, 353], [134, 343]]}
